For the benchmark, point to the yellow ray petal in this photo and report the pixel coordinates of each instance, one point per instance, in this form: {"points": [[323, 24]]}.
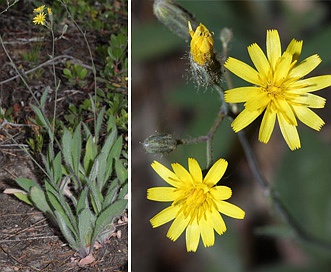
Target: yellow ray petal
{"points": [[218, 222], [309, 100], [260, 101], [230, 210], [267, 126], [195, 170], [308, 117], [294, 48], [221, 192], [290, 133], [216, 172], [182, 173], [285, 109], [244, 119], [192, 237], [165, 173], [274, 48], [243, 70], [282, 69], [164, 216], [207, 231], [162, 194], [312, 84], [259, 59], [306, 66], [177, 227], [241, 94]]}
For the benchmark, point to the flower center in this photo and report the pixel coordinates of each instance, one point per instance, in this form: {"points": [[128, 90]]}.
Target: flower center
{"points": [[274, 92], [195, 202]]}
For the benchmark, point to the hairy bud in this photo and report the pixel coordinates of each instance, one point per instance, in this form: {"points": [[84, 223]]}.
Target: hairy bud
{"points": [[173, 16], [205, 67], [160, 143]]}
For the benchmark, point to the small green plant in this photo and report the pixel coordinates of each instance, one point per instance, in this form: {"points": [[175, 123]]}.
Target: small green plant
{"points": [[75, 73], [116, 60], [36, 142], [85, 183], [6, 114]]}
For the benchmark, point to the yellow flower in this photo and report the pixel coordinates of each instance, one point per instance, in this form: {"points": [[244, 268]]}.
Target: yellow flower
{"points": [[279, 90], [201, 46], [40, 19], [39, 9], [196, 202], [49, 11]]}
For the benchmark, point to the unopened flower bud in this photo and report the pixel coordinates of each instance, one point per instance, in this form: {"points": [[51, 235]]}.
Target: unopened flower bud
{"points": [[160, 143], [205, 67], [173, 16]]}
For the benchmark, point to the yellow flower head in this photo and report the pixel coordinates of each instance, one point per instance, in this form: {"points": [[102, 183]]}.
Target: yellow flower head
{"points": [[40, 18], [278, 90], [201, 46], [39, 9], [196, 202]]}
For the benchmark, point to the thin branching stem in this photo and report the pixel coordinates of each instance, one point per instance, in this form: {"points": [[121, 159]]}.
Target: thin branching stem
{"points": [[211, 133], [270, 192], [91, 57]]}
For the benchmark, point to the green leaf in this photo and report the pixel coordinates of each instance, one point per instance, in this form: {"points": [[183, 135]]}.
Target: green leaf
{"points": [[91, 152], [82, 73], [109, 142], [43, 97], [82, 201], [55, 203], [38, 198], [98, 124], [76, 149], [101, 178], [96, 196], [26, 184], [66, 146], [85, 226], [67, 73], [111, 194], [68, 235], [94, 170], [121, 171], [57, 168], [123, 192], [44, 121], [59, 204], [107, 216], [24, 198], [117, 148]]}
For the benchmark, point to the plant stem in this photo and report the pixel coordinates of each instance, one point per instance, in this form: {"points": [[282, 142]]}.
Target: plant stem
{"points": [[268, 191]]}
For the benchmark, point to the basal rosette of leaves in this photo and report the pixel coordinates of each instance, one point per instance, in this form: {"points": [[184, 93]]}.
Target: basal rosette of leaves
{"points": [[85, 185]]}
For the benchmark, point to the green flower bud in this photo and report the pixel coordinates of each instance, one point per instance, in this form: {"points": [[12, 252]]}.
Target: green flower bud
{"points": [[160, 143], [173, 16]]}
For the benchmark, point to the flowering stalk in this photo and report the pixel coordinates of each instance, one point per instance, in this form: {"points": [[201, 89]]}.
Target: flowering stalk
{"points": [[270, 192]]}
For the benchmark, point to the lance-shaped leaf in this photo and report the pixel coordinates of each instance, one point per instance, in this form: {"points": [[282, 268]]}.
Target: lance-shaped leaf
{"points": [[107, 216]]}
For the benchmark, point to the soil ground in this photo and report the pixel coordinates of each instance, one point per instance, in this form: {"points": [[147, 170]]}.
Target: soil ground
{"points": [[28, 242]]}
